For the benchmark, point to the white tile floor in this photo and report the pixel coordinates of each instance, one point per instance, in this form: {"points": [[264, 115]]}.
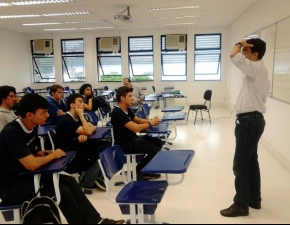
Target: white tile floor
{"points": [[209, 182]]}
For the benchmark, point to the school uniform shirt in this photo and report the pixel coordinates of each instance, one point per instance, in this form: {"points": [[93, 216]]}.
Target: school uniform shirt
{"points": [[16, 142], [53, 107], [256, 85], [6, 116], [122, 135]]}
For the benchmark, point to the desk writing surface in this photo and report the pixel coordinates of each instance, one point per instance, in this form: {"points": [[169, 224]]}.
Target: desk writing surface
{"points": [[42, 131], [100, 133], [170, 162], [174, 116], [54, 166], [173, 109], [162, 128]]}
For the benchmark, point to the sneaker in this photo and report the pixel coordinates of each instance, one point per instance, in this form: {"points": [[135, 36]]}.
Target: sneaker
{"points": [[151, 175], [100, 183], [255, 205], [94, 187], [109, 221], [233, 211]]}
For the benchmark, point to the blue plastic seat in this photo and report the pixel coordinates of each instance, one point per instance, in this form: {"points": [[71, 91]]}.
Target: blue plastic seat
{"points": [[92, 117], [135, 194]]}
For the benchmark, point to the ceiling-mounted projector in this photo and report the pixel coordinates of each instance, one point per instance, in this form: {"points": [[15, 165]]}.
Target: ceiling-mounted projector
{"points": [[125, 18]]}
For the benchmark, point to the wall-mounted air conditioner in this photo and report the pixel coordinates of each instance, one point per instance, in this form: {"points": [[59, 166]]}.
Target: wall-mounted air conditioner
{"points": [[110, 44], [41, 46], [175, 42]]}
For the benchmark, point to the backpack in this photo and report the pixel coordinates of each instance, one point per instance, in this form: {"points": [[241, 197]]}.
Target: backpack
{"points": [[97, 102], [40, 210]]}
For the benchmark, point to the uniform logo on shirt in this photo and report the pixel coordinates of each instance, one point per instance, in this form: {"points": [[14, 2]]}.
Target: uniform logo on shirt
{"points": [[30, 142]]}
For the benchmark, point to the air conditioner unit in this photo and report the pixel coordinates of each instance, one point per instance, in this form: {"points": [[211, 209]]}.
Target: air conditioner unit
{"points": [[176, 42], [110, 44], [42, 47]]}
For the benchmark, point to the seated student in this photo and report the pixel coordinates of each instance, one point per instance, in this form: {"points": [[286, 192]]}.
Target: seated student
{"points": [[57, 107], [137, 93], [19, 152], [7, 100], [88, 95], [72, 126], [126, 125]]}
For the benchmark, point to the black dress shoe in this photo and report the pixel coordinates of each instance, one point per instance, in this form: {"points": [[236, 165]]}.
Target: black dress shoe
{"points": [[255, 205], [233, 211]]}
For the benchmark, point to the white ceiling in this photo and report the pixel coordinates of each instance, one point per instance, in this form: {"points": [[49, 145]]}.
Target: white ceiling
{"points": [[214, 13]]}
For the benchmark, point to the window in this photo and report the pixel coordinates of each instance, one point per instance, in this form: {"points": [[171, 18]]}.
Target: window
{"points": [[207, 57], [141, 58], [43, 66], [109, 59], [73, 69], [173, 57]]}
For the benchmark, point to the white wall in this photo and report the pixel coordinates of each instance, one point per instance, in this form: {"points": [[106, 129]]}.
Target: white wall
{"points": [[15, 62], [193, 89], [276, 136]]}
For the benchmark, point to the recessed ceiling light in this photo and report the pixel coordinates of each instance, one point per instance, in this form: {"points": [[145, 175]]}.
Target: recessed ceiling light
{"points": [[4, 4], [40, 24], [60, 29], [174, 8], [69, 14], [173, 17], [91, 21], [174, 24], [18, 16]]}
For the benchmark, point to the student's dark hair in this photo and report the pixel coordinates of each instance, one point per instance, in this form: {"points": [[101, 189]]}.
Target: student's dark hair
{"points": [[259, 46], [123, 91], [72, 99], [83, 88], [54, 88], [5, 91], [31, 103]]}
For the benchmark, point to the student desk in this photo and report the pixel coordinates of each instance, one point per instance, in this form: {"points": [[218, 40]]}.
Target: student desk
{"points": [[172, 109], [170, 162], [100, 133], [54, 167], [174, 117]]}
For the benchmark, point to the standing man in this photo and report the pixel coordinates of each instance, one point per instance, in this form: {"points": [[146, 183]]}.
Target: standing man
{"points": [[126, 125], [137, 93], [250, 125], [20, 152], [7, 99], [57, 107]]}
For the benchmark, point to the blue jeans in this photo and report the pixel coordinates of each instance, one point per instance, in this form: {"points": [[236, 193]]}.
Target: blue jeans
{"points": [[249, 129]]}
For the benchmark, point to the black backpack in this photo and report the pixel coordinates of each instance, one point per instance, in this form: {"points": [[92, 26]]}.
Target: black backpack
{"points": [[40, 210]]}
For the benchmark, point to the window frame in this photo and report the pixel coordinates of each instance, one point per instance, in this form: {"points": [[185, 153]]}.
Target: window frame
{"points": [[214, 76], [65, 55], [163, 53]]}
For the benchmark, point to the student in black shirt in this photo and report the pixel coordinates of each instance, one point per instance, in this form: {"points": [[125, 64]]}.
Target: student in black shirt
{"points": [[19, 153], [126, 125], [72, 133]]}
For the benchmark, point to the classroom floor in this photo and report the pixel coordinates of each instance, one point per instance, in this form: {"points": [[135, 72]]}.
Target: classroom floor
{"points": [[209, 182]]}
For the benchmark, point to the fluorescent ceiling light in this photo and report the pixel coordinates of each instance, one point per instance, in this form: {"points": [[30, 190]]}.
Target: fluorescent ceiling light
{"points": [[4, 4], [39, 2], [17, 16], [40, 24], [174, 24], [60, 29], [94, 28], [69, 14], [173, 17], [175, 8], [92, 21]]}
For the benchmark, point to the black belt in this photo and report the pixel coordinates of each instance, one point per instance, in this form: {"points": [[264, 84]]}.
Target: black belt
{"points": [[255, 113]]}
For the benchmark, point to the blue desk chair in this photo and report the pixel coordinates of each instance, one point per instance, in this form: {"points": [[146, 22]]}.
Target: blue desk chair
{"points": [[137, 197], [72, 91], [92, 117]]}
